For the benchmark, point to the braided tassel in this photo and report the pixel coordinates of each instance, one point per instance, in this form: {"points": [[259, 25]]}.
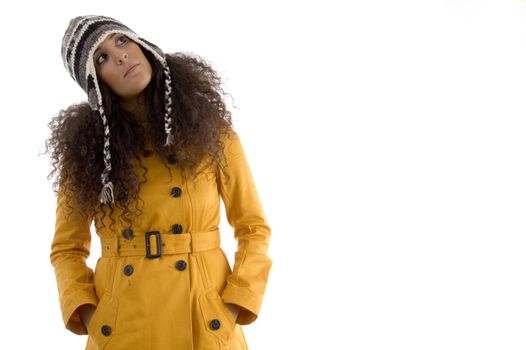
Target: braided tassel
{"points": [[168, 106], [169, 140], [106, 194]]}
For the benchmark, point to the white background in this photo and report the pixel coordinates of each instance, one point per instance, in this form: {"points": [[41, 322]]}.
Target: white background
{"points": [[386, 139]]}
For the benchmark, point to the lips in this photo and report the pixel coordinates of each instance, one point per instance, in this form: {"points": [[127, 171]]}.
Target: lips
{"points": [[130, 68]]}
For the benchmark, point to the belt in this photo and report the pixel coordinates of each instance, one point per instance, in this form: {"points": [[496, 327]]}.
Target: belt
{"points": [[155, 244]]}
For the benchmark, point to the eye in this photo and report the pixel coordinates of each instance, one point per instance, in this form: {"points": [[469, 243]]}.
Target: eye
{"points": [[122, 38], [102, 55]]}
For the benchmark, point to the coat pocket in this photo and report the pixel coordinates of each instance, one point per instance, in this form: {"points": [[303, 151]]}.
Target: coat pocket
{"points": [[214, 268], [102, 325], [216, 316], [103, 276]]}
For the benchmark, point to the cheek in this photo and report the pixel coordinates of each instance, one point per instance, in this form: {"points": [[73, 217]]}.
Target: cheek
{"points": [[149, 72], [110, 77]]}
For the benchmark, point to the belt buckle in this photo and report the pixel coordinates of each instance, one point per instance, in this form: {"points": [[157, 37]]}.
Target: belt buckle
{"points": [[149, 255]]}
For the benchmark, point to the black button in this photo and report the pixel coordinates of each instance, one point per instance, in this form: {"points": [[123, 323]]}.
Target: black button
{"points": [[215, 324], [172, 159], [106, 330], [180, 265], [128, 270], [176, 192], [177, 228], [128, 233], [147, 153]]}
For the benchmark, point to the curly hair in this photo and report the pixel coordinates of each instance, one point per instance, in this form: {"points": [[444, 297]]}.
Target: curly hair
{"points": [[200, 120]]}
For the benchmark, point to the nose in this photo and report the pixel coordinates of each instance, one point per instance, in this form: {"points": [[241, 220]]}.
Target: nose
{"points": [[121, 57]]}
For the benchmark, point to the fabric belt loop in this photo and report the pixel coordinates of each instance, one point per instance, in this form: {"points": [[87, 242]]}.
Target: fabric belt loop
{"points": [[109, 246]]}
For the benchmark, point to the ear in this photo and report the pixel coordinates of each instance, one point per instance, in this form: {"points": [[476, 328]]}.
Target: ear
{"points": [[92, 92]]}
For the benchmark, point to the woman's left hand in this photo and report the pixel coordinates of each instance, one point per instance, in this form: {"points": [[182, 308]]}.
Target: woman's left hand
{"points": [[234, 309]]}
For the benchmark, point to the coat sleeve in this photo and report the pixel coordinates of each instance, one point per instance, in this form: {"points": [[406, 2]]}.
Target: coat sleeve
{"points": [[69, 250], [246, 285]]}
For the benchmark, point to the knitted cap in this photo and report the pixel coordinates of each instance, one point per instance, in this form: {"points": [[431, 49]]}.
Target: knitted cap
{"points": [[82, 37]]}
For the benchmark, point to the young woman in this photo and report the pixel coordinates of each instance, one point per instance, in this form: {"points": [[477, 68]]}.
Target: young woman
{"points": [[147, 160]]}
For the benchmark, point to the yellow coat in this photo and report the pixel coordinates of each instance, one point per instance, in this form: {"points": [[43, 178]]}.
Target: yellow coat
{"points": [[174, 298]]}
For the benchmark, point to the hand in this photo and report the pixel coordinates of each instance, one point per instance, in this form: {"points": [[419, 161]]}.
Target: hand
{"points": [[86, 312], [234, 309]]}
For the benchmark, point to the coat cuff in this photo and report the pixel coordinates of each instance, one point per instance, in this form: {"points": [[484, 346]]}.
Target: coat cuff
{"points": [[70, 314], [243, 297]]}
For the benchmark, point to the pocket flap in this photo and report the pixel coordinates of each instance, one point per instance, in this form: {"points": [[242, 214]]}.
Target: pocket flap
{"points": [[216, 315], [102, 325]]}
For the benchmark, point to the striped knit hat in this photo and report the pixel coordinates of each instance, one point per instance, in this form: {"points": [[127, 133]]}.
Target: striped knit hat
{"points": [[82, 37]]}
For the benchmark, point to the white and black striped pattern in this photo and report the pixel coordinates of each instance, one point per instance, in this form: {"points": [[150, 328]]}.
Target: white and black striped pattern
{"points": [[82, 37]]}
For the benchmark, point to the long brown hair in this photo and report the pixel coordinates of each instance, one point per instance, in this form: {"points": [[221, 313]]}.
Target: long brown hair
{"points": [[77, 134]]}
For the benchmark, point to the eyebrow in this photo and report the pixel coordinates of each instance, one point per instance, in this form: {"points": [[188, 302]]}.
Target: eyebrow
{"points": [[98, 48]]}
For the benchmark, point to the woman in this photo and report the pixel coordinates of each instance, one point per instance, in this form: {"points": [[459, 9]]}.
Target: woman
{"points": [[146, 160]]}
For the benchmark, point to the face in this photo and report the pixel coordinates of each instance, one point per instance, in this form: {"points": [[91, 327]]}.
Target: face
{"points": [[120, 63]]}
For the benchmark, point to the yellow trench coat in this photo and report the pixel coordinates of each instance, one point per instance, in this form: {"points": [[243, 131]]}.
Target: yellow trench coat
{"points": [[174, 298]]}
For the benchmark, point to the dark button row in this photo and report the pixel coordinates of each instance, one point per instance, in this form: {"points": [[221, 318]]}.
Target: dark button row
{"points": [[128, 270], [176, 192], [180, 265], [106, 330], [215, 324], [177, 228], [172, 159], [128, 233]]}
